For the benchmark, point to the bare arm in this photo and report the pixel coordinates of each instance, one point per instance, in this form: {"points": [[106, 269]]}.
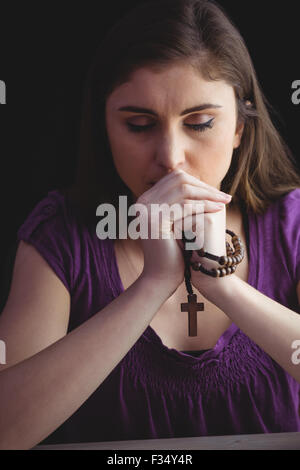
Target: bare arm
{"points": [[41, 392], [271, 325]]}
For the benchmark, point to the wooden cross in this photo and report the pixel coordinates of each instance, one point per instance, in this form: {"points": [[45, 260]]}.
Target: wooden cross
{"points": [[192, 307]]}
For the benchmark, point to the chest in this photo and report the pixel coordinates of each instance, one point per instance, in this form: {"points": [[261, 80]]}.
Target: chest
{"points": [[169, 323]]}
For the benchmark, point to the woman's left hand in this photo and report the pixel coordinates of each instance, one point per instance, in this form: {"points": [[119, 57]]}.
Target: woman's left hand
{"points": [[210, 231]]}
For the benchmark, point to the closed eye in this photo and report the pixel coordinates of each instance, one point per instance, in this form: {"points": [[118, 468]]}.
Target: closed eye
{"points": [[195, 127]]}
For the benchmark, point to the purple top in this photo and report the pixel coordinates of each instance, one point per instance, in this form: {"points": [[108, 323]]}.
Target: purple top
{"points": [[157, 392]]}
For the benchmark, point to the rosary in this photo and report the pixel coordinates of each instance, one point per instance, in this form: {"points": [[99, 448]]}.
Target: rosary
{"points": [[228, 266]]}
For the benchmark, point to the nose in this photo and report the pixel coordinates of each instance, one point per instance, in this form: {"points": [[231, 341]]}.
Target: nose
{"points": [[170, 154]]}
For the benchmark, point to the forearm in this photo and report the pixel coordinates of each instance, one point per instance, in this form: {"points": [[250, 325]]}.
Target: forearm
{"points": [[41, 392], [272, 326]]}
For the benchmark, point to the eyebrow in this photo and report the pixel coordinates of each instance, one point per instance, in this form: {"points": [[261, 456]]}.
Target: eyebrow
{"points": [[200, 107]]}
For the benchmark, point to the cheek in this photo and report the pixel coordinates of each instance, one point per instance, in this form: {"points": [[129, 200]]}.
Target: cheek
{"points": [[214, 158], [221, 143], [130, 159]]}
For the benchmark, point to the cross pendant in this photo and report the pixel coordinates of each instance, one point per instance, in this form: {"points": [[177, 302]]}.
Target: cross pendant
{"points": [[192, 307]]}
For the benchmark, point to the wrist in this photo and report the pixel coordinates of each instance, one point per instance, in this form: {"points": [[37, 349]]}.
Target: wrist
{"points": [[161, 289], [215, 287]]}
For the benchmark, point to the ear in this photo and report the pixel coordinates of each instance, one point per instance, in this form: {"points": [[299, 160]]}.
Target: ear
{"points": [[238, 135]]}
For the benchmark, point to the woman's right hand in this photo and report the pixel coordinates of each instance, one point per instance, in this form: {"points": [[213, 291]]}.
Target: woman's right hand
{"points": [[163, 257]]}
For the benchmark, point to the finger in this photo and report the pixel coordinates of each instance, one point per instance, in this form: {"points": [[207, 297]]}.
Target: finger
{"points": [[163, 218], [190, 192], [193, 228], [180, 177], [195, 207], [184, 177]]}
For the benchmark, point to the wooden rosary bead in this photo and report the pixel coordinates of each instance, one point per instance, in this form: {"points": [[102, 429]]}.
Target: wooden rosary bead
{"points": [[223, 260], [228, 263], [196, 266]]}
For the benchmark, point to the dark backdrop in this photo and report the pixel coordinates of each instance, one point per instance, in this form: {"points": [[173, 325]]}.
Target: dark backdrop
{"points": [[45, 50]]}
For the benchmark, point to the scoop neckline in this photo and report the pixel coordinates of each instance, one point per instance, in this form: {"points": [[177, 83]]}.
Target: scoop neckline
{"points": [[150, 335]]}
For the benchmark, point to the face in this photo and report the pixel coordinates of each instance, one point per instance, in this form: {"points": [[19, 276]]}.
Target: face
{"points": [[153, 127]]}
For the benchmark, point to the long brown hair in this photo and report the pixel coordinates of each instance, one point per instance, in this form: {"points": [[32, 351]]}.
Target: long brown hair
{"points": [[158, 34]]}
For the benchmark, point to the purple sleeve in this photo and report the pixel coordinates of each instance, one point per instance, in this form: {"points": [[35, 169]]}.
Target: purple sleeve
{"points": [[47, 229], [290, 223]]}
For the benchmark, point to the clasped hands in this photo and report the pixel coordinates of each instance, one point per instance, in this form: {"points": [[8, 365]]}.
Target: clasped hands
{"points": [[205, 217]]}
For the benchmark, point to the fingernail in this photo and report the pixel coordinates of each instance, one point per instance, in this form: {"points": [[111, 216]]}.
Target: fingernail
{"points": [[224, 196]]}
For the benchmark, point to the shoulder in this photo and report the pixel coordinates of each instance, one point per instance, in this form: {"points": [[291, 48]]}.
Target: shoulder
{"points": [[289, 230], [69, 245], [49, 208], [50, 228], [289, 204], [279, 233], [285, 212]]}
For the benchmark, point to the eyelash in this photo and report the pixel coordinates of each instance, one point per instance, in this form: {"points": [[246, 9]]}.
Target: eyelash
{"points": [[195, 127]]}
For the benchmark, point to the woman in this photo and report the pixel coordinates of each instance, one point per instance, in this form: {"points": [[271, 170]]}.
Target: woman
{"points": [[98, 347]]}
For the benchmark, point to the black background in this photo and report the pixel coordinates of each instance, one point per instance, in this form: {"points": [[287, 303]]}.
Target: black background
{"points": [[45, 50]]}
